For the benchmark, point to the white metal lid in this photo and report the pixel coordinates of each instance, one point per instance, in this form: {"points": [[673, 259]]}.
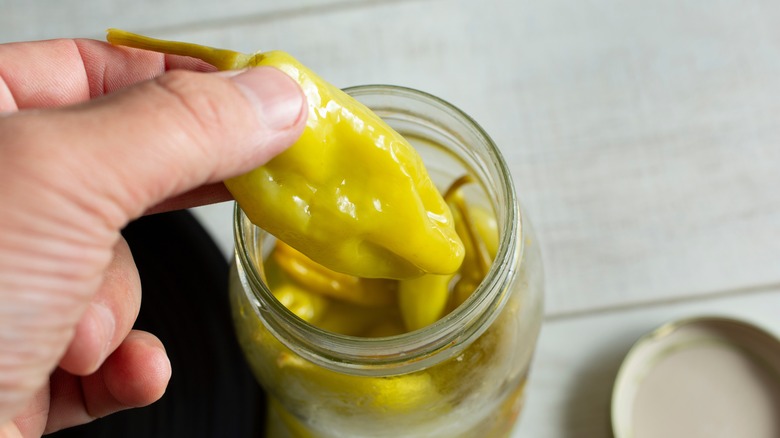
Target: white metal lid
{"points": [[703, 377]]}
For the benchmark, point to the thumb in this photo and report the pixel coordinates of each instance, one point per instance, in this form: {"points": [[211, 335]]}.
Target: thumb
{"points": [[130, 150], [71, 178]]}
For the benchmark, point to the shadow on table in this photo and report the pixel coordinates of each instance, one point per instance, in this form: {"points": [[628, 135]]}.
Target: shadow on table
{"points": [[587, 410]]}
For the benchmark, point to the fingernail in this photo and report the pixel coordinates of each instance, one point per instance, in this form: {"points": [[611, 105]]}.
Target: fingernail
{"points": [[107, 323], [277, 98]]}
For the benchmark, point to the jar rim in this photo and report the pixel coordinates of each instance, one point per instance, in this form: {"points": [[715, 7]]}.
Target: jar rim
{"points": [[408, 351]]}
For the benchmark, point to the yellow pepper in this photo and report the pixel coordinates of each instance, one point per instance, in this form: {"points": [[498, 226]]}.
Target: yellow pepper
{"points": [[374, 307], [352, 194], [371, 292], [422, 300]]}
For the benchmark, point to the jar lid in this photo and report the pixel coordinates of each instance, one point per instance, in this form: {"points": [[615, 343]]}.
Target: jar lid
{"points": [[700, 377]]}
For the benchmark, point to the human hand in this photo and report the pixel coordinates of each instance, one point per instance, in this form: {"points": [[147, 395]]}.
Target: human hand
{"points": [[75, 168]]}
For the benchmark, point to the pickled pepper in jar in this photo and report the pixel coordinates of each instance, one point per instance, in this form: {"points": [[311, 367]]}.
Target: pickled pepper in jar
{"points": [[369, 307], [351, 194]]}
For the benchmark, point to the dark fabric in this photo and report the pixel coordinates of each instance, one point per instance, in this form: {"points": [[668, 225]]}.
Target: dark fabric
{"points": [[212, 392]]}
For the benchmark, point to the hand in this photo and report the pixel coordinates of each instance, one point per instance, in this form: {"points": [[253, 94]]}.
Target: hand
{"points": [[75, 167]]}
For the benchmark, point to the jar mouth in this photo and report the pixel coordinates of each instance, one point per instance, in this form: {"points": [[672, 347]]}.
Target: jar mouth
{"points": [[405, 352]]}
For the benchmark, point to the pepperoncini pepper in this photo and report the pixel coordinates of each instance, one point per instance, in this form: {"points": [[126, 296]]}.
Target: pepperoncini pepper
{"points": [[352, 194], [371, 307]]}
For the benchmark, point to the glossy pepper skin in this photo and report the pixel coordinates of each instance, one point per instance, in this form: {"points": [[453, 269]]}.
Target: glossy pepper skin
{"points": [[352, 194]]}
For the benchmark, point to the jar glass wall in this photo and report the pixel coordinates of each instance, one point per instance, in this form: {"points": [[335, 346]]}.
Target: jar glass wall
{"points": [[462, 376]]}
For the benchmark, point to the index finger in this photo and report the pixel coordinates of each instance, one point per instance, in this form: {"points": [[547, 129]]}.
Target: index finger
{"points": [[42, 74]]}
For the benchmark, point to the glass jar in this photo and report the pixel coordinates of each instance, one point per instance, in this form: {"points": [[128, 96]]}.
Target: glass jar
{"points": [[462, 376]]}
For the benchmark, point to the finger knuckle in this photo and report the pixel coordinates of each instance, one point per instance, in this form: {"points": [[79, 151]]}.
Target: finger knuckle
{"points": [[200, 102]]}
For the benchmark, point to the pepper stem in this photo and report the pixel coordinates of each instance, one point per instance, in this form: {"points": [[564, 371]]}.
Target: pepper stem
{"points": [[454, 196], [222, 59]]}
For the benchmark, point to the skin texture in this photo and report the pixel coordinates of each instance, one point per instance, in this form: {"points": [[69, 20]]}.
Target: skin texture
{"points": [[91, 137]]}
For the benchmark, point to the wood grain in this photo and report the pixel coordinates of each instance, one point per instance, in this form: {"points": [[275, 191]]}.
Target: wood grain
{"points": [[22, 20], [643, 140]]}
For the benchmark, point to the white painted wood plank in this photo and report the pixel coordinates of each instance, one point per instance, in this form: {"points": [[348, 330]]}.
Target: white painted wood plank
{"points": [[569, 390], [22, 20], [643, 136], [217, 219]]}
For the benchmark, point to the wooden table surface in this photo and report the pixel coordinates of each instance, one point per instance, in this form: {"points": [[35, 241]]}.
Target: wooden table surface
{"points": [[644, 139]]}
